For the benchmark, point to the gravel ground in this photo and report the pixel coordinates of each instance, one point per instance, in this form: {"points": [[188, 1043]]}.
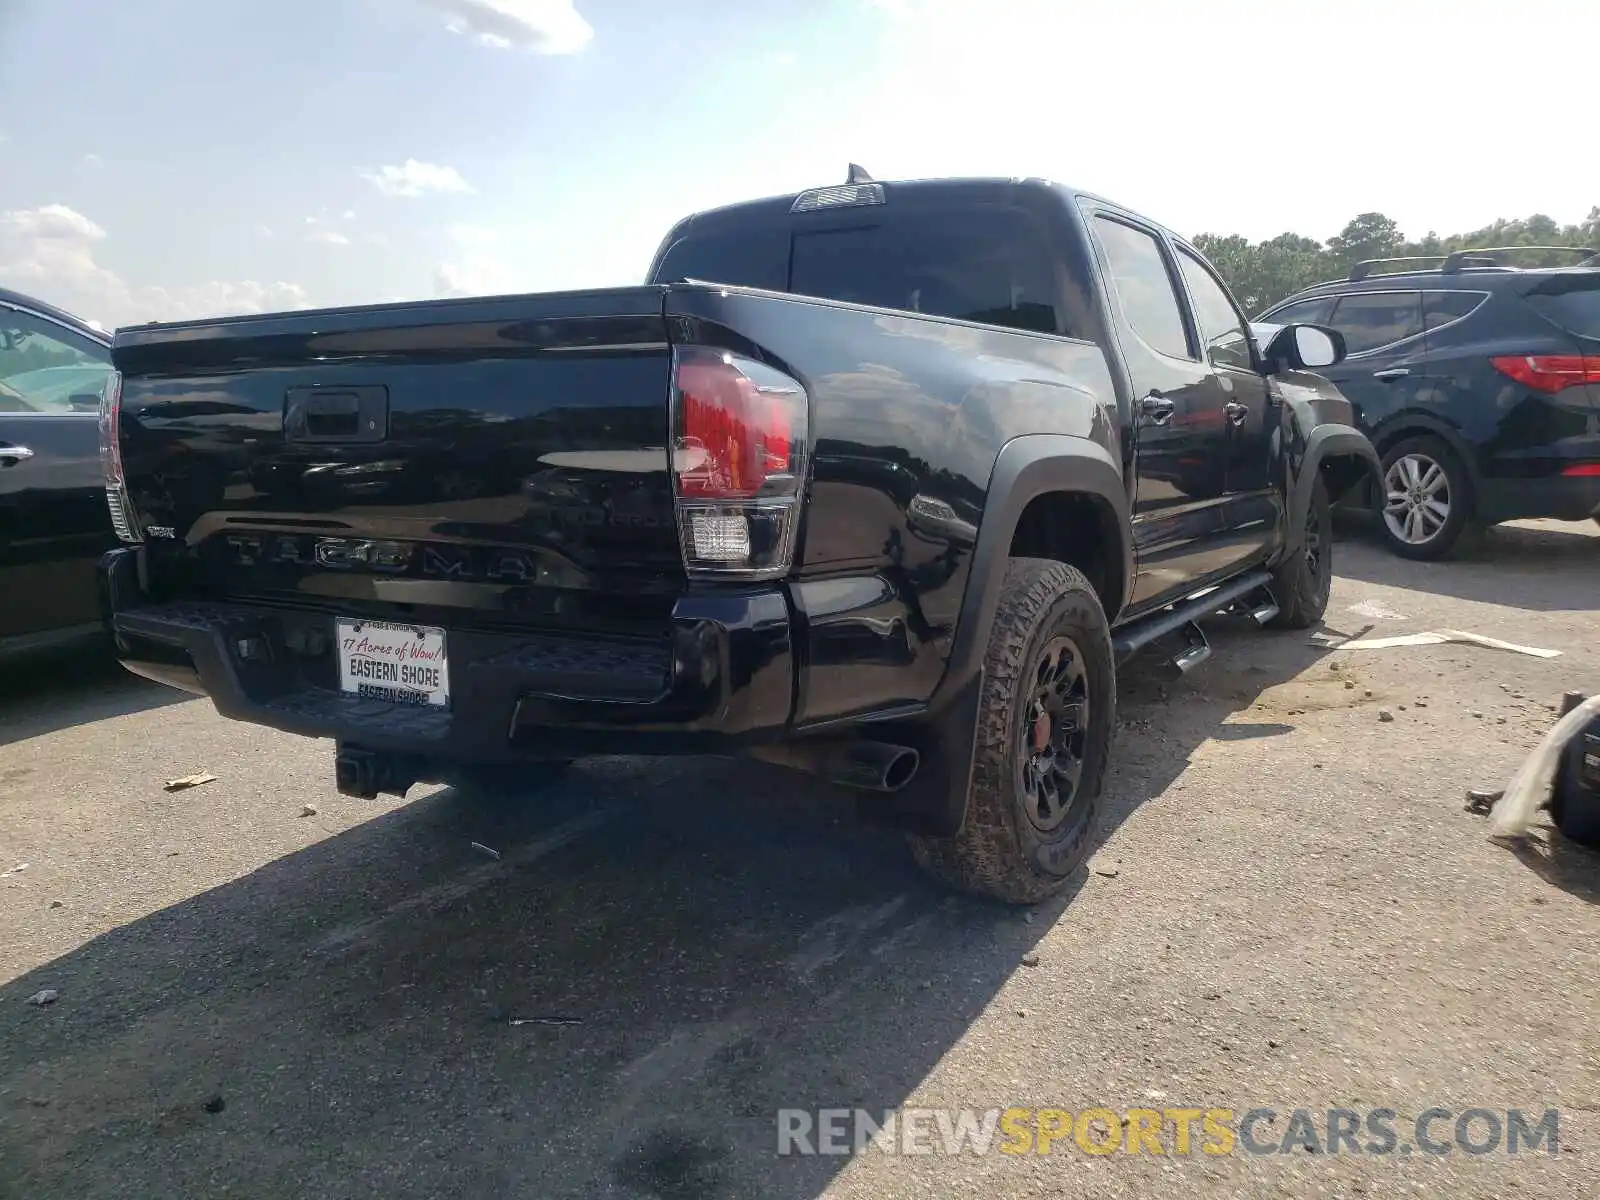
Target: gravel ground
{"points": [[1288, 907]]}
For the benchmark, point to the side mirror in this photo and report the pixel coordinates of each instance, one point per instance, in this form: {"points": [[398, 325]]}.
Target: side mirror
{"points": [[1305, 347]]}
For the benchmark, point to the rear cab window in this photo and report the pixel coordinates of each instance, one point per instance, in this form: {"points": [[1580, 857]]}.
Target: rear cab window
{"points": [[984, 262]]}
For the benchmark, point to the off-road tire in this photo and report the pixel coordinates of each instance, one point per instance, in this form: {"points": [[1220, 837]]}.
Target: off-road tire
{"points": [[1304, 580], [1449, 538], [999, 852]]}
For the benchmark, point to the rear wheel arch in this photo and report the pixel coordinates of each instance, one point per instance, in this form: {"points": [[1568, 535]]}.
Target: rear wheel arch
{"points": [[1079, 529]]}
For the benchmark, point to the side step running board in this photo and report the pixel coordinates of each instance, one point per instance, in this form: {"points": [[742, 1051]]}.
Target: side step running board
{"points": [[1197, 651], [1140, 633]]}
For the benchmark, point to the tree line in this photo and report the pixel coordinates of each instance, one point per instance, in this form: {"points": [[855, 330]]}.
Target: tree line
{"points": [[1262, 273]]}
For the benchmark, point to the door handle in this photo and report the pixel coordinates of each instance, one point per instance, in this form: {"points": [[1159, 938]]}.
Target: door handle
{"points": [[1158, 408], [1391, 373], [1236, 412], [10, 456]]}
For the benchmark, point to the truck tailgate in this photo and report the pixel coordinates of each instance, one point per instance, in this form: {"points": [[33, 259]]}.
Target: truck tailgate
{"points": [[484, 460]]}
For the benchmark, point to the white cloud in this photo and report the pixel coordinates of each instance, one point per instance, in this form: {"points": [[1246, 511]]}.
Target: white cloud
{"points": [[478, 270], [91, 162], [48, 252], [417, 179], [544, 26], [349, 215], [328, 237]]}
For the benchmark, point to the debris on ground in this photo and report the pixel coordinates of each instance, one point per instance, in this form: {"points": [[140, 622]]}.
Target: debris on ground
{"points": [[1530, 788], [43, 997], [547, 1021], [16, 870], [482, 849], [1107, 872], [1434, 638], [215, 1105], [308, 810], [1030, 959], [188, 781], [1385, 715], [1482, 800]]}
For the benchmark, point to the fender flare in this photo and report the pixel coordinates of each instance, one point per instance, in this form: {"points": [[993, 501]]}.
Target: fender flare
{"points": [[1028, 467], [1326, 441]]}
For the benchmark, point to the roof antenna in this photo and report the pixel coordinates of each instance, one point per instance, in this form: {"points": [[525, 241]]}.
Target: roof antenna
{"points": [[859, 175]]}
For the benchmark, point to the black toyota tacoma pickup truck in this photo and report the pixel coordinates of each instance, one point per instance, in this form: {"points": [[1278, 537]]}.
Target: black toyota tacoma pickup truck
{"points": [[878, 481]]}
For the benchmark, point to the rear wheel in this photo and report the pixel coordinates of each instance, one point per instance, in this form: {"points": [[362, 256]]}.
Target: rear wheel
{"points": [[1044, 738], [1426, 498]]}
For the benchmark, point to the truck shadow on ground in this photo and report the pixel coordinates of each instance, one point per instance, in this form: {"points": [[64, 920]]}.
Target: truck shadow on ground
{"points": [[1548, 568], [47, 693], [663, 956]]}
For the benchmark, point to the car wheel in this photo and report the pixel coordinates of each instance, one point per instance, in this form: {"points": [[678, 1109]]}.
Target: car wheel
{"points": [[1303, 582], [1427, 499], [1045, 725]]}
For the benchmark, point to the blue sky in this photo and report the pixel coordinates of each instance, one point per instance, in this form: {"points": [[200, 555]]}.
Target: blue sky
{"points": [[176, 158]]}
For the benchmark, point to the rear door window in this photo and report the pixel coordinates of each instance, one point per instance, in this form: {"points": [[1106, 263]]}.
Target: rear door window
{"points": [[1144, 287], [1575, 307], [1440, 308], [45, 367], [987, 263], [1371, 320]]}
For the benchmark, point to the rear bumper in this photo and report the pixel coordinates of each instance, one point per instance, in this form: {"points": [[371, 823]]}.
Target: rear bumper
{"points": [[1561, 498], [723, 677]]}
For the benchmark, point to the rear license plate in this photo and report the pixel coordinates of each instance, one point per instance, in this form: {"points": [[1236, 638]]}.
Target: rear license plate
{"points": [[404, 664]]}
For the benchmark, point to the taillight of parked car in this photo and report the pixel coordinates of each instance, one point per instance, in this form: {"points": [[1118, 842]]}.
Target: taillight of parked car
{"points": [[122, 519], [738, 463], [1549, 372]]}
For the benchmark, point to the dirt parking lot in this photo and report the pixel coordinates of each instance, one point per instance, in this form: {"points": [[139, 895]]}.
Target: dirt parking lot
{"points": [[1288, 908]]}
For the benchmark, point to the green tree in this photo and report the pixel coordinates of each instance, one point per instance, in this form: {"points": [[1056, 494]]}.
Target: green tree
{"points": [[1262, 273]]}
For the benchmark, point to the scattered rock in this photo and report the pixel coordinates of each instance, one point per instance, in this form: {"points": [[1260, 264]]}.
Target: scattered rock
{"points": [[1030, 959], [1271, 1045], [1211, 995], [1022, 1012], [57, 904], [43, 997], [1385, 715], [215, 1105], [1367, 693], [1499, 720], [1477, 716], [1422, 704], [926, 985], [1481, 800], [1401, 707], [308, 810], [1107, 872], [1349, 685]]}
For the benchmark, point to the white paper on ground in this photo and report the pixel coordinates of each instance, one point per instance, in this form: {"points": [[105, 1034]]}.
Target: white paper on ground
{"points": [[1439, 638]]}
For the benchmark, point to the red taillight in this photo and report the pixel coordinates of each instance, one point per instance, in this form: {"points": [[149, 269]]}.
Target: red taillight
{"points": [[111, 460], [734, 434], [738, 461], [1582, 471], [1549, 372]]}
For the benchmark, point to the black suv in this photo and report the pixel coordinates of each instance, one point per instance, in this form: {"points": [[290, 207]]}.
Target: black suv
{"points": [[1477, 381]]}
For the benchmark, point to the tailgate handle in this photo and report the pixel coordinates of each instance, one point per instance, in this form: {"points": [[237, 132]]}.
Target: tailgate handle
{"points": [[354, 414]]}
